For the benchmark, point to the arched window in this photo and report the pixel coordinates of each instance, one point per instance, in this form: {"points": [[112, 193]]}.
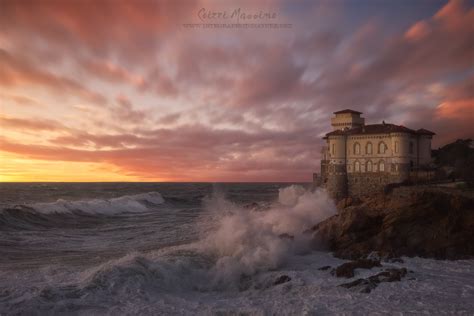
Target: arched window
{"points": [[382, 148], [369, 166], [369, 148], [396, 146], [357, 166], [381, 166], [356, 149]]}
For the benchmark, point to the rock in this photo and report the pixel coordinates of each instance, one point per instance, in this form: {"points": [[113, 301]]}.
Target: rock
{"points": [[363, 285], [282, 279], [367, 285], [324, 268], [394, 260], [346, 270], [409, 221], [391, 275]]}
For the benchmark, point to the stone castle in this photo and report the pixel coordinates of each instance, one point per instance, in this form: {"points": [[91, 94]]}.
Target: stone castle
{"points": [[362, 159]]}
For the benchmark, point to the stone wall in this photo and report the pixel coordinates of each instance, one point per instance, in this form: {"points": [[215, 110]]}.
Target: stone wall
{"points": [[363, 184], [336, 183]]}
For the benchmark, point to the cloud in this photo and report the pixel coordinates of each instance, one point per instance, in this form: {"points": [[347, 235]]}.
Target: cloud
{"points": [[21, 100], [113, 73], [238, 105], [17, 71], [125, 111], [106, 27], [28, 124]]}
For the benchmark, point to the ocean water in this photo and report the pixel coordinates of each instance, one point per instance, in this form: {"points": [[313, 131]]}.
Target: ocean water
{"points": [[193, 249]]}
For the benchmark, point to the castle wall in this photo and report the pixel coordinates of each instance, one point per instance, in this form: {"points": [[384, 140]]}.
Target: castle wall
{"points": [[424, 149], [363, 184], [355, 170], [336, 183]]}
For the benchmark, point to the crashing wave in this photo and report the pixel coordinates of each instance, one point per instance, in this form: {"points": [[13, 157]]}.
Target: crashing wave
{"points": [[125, 204]]}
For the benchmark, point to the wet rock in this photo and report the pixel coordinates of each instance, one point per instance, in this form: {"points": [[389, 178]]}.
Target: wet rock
{"points": [[391, 275], [282, 279], [346, 270], [361, 285], [370, 283], [324, 268]]}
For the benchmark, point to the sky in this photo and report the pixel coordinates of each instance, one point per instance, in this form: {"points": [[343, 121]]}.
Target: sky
{"points": [[129, 91]]}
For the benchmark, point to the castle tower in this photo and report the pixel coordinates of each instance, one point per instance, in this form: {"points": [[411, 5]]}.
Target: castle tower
{"points": [[336, 169], [347, 119]]}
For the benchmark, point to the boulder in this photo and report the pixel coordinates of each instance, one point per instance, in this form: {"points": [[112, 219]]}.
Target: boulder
{"points": [[282, 279], [346, 270], [370, 283]]}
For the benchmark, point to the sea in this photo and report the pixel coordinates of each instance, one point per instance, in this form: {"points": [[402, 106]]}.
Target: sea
{"points": [[195, 249]]}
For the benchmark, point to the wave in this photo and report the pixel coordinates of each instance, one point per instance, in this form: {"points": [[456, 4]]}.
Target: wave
{"points": [[124, 204], [64, 213], [247, 241], [240, 248]]}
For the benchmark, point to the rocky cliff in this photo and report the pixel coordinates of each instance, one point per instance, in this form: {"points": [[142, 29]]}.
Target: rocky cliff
{"points": [[409, 221]]}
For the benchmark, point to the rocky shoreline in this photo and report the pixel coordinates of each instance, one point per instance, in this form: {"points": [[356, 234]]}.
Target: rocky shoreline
{"points": [[419, 221]]}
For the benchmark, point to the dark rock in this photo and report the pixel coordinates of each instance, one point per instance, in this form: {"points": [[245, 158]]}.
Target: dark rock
{"points": [[395, 260], [346, 270], [410, 221], [391, 275], [363, 285], [324, 268], [282, 279], [367, 285]]}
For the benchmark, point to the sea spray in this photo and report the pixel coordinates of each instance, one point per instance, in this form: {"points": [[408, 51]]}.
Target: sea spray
{"points": [[247, 240]]}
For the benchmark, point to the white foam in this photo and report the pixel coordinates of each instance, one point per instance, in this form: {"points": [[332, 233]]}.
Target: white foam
{"points": [[246, 242], [124, 204]]}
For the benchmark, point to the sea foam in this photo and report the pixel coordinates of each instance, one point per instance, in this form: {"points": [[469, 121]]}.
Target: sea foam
{"points": [[246, 241], [124, 204]]}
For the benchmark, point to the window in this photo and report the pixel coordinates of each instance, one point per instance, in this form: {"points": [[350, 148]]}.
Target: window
{"points": [[382, 148], [369, 148], [411, 148], [396, 146], [369, 166], [357, 166], [381, 166], [356, 149], [333, 149]]}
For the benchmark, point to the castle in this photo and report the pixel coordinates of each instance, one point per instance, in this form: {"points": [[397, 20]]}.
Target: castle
{"points": [[362, 159]]}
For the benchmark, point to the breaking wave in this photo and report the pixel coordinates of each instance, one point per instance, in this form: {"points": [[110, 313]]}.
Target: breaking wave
{"points": [[124, 204], [249, 241], [64, 213], [240, 248]]}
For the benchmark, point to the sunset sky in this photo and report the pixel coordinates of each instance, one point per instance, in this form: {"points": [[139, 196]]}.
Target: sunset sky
{"points": [[123, 91]]}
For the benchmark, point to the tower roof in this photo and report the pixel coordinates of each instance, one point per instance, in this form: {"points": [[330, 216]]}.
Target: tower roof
{"points": [[347, 111], [384, 128]]}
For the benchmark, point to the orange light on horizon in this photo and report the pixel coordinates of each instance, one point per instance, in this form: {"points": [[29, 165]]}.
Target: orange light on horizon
{"points": [[16, 168]]}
